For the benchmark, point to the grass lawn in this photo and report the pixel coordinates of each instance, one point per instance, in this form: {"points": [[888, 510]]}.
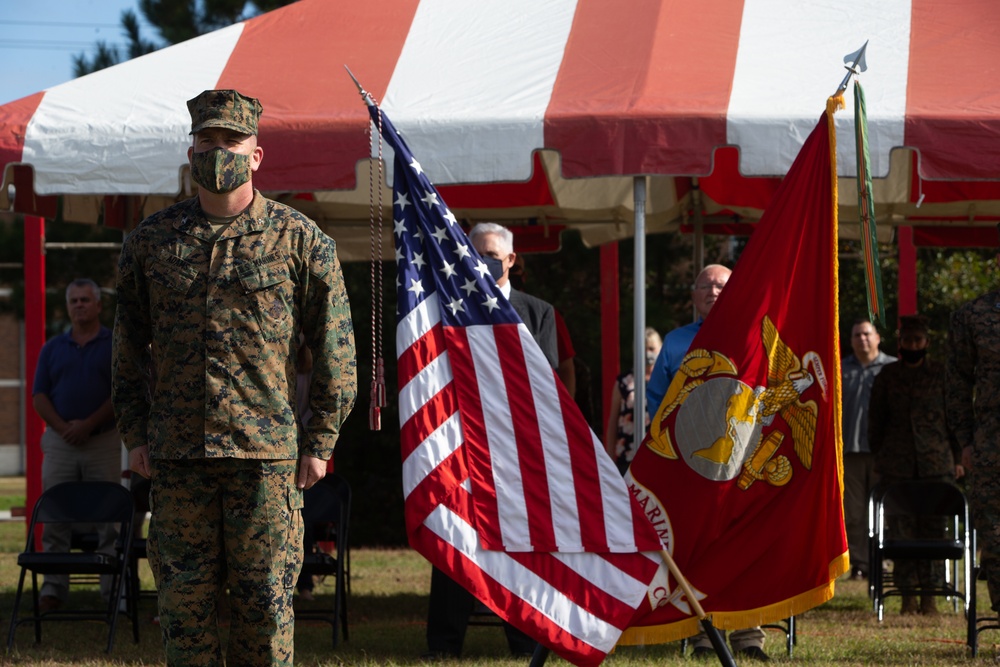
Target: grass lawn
{"points": [[11, 492], [388, 607]]}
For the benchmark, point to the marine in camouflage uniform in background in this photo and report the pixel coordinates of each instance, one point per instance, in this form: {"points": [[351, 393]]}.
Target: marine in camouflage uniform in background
{"points": [[212, 294], [910, 440], [973, 402]]}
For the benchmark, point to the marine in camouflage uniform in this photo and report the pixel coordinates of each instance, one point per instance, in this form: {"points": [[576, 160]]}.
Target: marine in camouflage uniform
{"points": [[910, 440], [973, 403], [212, 294]]}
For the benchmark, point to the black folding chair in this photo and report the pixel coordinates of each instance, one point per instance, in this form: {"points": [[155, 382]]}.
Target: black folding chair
{"points": [[84, 504], [924, 501], [787, 626], [326, 516]]}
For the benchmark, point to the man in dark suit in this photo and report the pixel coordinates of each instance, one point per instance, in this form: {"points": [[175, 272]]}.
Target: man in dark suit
{"points": [[450, 604], [496, 244]]}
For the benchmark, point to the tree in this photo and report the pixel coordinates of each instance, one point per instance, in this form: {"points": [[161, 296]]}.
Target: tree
{"points": [[106, 56], [947, 278], [176, 21]]}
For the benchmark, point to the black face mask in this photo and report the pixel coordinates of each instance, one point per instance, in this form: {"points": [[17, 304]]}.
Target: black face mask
{"points": [[912, 356], [495, 266]]}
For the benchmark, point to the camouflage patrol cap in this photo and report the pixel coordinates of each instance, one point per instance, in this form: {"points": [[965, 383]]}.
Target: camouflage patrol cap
{"points": [[913, 323], [224, 108]]}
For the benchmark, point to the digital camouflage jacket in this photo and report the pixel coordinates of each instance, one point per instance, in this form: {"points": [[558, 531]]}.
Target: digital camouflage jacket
{"points": [[973, 377], [907, 430], [206, 335]]}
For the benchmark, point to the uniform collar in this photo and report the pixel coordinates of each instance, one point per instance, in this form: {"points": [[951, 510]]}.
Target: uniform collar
{"points": [[253, 219]]}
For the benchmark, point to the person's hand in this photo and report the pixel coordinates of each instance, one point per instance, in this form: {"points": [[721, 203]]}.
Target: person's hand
{"points": [[138, 461], [959, 471], [76, 432], [966, 458], [311, 470]]}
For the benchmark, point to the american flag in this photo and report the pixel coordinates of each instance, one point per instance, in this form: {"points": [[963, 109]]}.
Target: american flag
{"points": [[507, 489]]}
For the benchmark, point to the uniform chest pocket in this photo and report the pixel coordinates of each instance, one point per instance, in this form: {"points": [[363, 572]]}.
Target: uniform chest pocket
{"points": [[172, 273], [270, 292]]}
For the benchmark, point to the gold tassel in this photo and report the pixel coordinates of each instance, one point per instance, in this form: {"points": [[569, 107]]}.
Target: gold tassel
{"points": [[380, 383]]}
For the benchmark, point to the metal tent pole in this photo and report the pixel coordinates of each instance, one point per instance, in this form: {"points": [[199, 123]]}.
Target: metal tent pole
{"points": [[639, 307]]}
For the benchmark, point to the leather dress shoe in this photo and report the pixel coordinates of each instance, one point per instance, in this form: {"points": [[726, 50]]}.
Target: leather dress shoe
{"points": [[754, 653], [703, 652], [48, 603]]}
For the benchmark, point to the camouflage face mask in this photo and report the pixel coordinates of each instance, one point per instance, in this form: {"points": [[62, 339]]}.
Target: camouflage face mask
{"points": [[219, 170]]}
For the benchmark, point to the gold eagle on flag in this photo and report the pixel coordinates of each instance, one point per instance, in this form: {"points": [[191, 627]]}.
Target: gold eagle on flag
{"points": [[747, 411]]}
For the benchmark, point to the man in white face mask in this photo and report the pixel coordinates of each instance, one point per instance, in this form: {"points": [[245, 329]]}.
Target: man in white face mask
{"points": [[212, 295], [496, 244]]}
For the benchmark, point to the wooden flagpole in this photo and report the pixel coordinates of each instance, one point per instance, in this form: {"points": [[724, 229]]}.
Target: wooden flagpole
{"points": [[718, 643]]}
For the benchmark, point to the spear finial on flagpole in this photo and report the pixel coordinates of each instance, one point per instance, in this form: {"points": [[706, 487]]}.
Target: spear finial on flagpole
{"points": [[857, 65], [364, 93]]}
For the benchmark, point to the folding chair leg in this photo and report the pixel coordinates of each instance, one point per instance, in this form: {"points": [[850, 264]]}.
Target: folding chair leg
{"points": [[14, 614], [973, 616], [343, 616], [343, 592], [787, 626], [130, 598], [38, 613], [121, 590], [972, 635], [338, 611]]}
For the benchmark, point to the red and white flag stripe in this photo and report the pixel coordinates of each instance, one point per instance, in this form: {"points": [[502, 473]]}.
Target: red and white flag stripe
{"points": [[582, 616], [564, 508], [556, 517]]}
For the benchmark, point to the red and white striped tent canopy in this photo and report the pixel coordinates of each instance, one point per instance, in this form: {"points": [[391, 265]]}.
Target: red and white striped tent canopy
{"points": [[563, 102]]}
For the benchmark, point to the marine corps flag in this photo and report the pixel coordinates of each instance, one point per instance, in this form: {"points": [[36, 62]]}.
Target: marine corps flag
{"points": [[741, 469]]}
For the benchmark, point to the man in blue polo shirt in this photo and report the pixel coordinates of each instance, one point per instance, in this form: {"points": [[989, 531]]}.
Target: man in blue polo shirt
{"points": [[746, 642], [706, 289], [72, 393]]}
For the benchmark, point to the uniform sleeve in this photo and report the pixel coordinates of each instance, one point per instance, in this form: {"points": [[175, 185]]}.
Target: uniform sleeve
{"points": [[131, 353], [960, 378], [329, 333]]}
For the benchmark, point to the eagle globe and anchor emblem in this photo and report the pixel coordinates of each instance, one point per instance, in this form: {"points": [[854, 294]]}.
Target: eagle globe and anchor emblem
{"points": [[722, 449]]}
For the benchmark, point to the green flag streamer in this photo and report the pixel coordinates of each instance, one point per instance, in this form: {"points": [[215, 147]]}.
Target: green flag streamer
{"points": [[866, 212]]}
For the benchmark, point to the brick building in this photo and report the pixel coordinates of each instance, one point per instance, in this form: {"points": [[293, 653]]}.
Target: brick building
{"points": [[11, 395]]}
